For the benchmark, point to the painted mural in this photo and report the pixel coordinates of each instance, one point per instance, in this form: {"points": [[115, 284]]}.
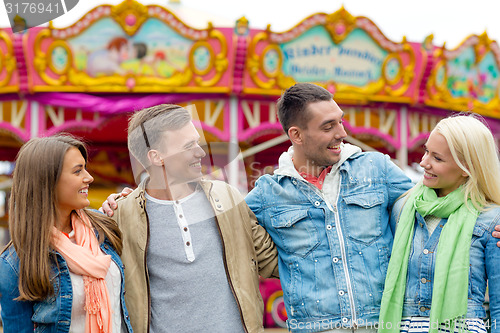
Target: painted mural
{"points": [[313, 57], [129, 48], [347, 55], [471, 77], [467, 78], [105, 49]]}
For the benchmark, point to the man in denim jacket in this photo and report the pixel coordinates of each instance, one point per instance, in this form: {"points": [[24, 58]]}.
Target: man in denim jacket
{"points": [[327, 208]]}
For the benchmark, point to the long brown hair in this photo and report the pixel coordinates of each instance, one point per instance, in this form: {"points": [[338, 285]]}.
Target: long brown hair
{"points": [[33, 211]]}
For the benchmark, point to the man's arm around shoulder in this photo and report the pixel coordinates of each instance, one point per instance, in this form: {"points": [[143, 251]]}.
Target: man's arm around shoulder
{"points": [[267, 255]]}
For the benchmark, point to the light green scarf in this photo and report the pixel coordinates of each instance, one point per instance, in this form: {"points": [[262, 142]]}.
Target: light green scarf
{"points": [[451, 273]]}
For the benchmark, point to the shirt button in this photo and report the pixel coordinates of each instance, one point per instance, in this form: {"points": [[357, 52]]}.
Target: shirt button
{"points": [[177, 201], [424, 280], [180, 216], [219, 206], [185, 229], [341, 293], [216, 200], [188, 243], [335, 260], [426, 251], [317, 203], [345, 320], [329, 227]]}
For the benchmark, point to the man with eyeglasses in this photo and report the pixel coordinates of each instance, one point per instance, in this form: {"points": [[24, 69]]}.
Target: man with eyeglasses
{"points": [[193, 250]]}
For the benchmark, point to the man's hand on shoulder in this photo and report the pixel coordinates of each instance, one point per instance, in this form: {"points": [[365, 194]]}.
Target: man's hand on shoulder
{"points": [[496, 233], [110, 205]]}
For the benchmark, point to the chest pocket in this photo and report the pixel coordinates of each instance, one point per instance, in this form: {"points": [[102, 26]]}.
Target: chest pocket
{"points": [[476, 258], [363, 216], [297, 232], [478, 232]]}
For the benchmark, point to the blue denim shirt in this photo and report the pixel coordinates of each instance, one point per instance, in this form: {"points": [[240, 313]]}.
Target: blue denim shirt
{"points": [[53, 314], [484, 266], [332, 257]]}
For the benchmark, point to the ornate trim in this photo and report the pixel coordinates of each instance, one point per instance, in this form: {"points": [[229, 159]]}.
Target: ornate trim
{"points": [[438, 93], [131, 15], [7, 63], [339, 25]]}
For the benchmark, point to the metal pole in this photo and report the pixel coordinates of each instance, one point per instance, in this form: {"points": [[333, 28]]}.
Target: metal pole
{"points": [[34, 119], [234, 148], [402, 154]]}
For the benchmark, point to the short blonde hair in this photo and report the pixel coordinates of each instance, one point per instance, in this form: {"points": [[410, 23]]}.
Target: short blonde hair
{"points": [[475, 151]]}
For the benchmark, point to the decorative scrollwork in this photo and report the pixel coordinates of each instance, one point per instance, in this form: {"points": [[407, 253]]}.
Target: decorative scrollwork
{"points": [[64, 65], [7, 63], [466, 77], [267, 56]]}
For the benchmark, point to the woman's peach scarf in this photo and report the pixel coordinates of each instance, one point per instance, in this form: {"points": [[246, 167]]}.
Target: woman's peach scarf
{"points": [[85, 258]]}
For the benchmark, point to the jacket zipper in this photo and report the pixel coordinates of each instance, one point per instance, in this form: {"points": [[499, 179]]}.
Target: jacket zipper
{"points": [[342, 247], [344, 256], [227, 274], [146, 273]]}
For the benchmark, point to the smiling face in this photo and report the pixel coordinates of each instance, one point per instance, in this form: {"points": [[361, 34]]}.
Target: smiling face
{"points": [[324, 133], [73, 184], [441, 171], [182, 155]]}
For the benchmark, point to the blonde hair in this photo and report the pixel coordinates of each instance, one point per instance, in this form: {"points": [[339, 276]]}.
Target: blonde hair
{"points": [[33, 211], [475, 151]]}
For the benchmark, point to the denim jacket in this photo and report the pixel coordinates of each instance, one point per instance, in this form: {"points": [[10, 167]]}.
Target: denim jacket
{"points": [[53, 314], [333, 252], [484, 266]]}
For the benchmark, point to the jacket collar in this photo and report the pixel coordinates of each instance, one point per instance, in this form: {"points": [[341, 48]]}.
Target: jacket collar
{"points": [[205, 185], [286, 167]]}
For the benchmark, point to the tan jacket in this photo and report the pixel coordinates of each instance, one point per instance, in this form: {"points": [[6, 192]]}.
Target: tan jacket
{"points": [[247, 248]]}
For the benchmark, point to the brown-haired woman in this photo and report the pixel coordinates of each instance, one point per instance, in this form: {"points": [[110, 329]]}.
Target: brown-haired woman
{"points": [[62, 271]]}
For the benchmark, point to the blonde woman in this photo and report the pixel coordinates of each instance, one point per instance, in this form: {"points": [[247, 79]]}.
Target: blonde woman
{"points": [[443, 252], [62, 271]]}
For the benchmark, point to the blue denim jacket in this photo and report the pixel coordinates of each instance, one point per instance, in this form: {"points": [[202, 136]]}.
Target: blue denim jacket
{"points": [[333, 257], [52, 314], [484, 265]]}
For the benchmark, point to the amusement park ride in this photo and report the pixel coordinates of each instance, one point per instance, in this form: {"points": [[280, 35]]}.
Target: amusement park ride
{"points": [[86, 79]]}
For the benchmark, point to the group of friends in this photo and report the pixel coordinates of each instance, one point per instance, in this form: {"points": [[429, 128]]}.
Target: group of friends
{"points": [[355, 245]]}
